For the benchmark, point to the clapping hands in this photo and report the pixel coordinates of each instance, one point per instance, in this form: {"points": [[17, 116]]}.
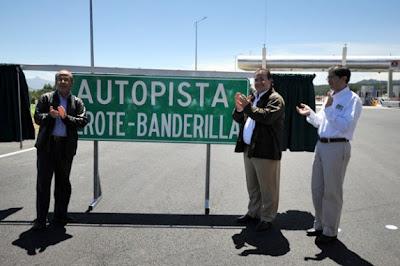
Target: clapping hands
{"points": [[60, 112], [241, 101], [329, 99]]}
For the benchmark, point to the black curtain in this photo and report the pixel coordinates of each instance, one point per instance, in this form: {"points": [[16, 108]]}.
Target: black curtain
{"points": [[295, 89], [9, 113]]}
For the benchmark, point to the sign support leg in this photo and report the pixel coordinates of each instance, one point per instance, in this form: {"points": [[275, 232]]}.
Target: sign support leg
{"points": [[207, 198], [96, 178]]}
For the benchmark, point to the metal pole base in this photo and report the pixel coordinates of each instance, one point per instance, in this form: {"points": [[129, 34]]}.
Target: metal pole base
{"points": [[94, 203], [207, 211]]}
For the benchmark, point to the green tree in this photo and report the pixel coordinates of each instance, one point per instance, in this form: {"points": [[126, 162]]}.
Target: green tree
{"points": [[35, 95]]}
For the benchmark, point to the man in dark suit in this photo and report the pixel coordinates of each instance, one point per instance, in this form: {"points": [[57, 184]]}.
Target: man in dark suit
{"points": [[59, 114], [261, 117]]}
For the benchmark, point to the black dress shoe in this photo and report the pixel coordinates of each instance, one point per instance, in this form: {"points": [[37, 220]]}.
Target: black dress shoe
{"points": [[323, 239], [263, 226], [313, 232], [38, 226], [245, 219]]}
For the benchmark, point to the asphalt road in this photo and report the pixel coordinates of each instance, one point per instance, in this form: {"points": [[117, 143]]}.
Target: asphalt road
{"points": [[152, 210]]}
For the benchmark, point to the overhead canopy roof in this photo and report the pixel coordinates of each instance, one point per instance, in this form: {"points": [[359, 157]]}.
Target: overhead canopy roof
{"points": [[322, 63]]}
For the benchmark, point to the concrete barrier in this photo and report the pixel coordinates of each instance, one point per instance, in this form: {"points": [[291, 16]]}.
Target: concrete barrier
{"points": [[395, 104]]}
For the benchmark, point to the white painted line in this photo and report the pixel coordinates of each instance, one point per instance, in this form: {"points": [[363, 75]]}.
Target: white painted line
{"points": [[16, 152], [391, 227]]}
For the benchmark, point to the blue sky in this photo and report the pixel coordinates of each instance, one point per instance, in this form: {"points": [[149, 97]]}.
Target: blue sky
{"points": [[160, 34]]}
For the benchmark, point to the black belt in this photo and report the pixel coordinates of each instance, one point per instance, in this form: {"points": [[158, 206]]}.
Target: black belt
{"points": [[329, 140], [58, 138]]}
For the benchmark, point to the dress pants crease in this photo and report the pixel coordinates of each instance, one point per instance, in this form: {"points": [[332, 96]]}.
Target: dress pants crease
{"points": [[58, 163], [262, 178], [329, 168]]}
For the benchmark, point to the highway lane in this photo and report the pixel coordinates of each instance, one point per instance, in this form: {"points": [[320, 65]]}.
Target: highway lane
{"points": [[153, 204]]}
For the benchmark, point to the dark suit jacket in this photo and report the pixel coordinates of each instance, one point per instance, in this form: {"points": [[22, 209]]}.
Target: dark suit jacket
{"points": [[269, 115], [76, 118]]}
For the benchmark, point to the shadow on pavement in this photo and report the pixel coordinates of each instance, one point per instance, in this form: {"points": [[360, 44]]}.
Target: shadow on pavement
{"points": [[339, 253], [153, 219], [294, 220], [290, 220], [38, 241], [5, 213], [272, 242]]}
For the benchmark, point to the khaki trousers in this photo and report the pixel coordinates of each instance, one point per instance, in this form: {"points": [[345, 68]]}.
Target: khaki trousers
{"points": [[262, 178], [328, 173]]}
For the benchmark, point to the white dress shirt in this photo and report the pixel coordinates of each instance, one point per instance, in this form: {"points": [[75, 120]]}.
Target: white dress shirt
{"points": [[338, 120], [250, 123]]}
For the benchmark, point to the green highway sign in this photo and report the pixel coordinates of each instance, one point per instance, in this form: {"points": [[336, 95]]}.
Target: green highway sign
{"points": [[159, 109]]}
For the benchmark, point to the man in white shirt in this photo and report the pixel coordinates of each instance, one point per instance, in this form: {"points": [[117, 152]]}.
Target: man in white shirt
{"points": [[336, 122]]}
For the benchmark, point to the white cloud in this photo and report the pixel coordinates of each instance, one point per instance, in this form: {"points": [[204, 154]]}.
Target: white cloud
{"points": [[46, 75]]}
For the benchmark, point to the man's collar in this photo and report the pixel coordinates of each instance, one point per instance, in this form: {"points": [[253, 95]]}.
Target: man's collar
{"points": [[341, 92], [260, 94], [66, 97]]}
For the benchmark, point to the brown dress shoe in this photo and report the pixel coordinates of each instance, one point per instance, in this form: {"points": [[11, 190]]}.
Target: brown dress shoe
{"points": [[323, 239], [263, 226], [245, 219], [314, 232]]}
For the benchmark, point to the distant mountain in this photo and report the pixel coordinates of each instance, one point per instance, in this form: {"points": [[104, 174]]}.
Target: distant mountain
{"points": [[378, 84], [38, 83], [375, 82]]}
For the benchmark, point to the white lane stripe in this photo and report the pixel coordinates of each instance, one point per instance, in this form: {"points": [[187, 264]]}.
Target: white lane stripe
{"points": [[16, 152], [391, 227]]}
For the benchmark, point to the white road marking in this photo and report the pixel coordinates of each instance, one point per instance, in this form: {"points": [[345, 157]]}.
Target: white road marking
{"points": [[16, 152], [391, 227]]}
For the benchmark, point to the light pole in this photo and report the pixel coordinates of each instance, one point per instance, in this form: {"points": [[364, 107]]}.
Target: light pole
{"points": [[195, 46]]}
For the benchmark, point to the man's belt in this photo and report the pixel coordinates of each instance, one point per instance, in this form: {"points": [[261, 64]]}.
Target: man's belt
{"points": [[329, 140], [58, 138]]}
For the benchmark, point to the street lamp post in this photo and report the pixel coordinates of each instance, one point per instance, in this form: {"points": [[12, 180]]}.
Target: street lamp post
{"points": [[195, 45]]}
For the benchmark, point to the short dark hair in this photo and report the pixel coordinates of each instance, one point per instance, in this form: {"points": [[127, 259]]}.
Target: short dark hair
{"points": [[341, 71], [64, 72], [264, 71]]}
